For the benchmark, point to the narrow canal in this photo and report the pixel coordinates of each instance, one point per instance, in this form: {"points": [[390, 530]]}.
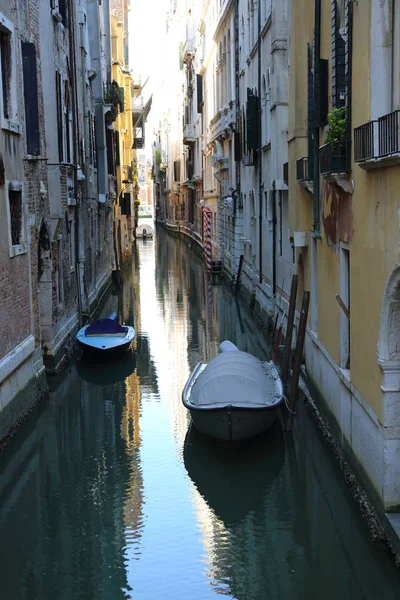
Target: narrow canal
{"points": [[106, 493]]}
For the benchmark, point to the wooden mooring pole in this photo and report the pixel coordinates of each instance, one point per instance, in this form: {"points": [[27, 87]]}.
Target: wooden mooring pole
{"points": [[238, 274], [289, 331], [294, 390]]}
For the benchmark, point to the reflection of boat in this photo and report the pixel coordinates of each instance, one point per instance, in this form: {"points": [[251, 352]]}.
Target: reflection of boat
{"points": [[105, 338], [233, 481], [112, 372], [234, 397]]}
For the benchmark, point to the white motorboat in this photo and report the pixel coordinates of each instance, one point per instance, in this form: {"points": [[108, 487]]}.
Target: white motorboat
{"points": [[106, 337], [235, 397]]}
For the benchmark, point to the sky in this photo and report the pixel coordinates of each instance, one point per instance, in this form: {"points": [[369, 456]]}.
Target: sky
{"points": [[147, 27]]}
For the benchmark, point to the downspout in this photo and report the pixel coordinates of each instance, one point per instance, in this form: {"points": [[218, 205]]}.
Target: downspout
{"points": [[317, 85], [260, 184], [350, 71], [79, 259], [237, 101], [273, 239]]}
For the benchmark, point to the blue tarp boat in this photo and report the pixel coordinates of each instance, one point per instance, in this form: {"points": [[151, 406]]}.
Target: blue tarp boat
{"points": [[106, 337]]}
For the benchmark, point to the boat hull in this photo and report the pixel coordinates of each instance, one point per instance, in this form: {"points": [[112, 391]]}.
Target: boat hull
{"points": [[104, 347], [231, 425], [233, 421], [104, 353]]}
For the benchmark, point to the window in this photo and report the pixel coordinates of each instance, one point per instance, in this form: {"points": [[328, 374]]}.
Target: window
{"points": [[15, 200], [59, 118], [16, 218], [5, 49], [60, 288], [71, 243], [8, 77], [30, 98]]}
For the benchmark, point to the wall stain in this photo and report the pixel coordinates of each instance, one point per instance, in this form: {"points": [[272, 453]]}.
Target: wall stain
{"points": [[337, 214]]}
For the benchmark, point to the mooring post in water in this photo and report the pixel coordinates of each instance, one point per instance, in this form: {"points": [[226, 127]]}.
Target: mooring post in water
{"points": [[289, 331], [239, 273], [294, 390]]}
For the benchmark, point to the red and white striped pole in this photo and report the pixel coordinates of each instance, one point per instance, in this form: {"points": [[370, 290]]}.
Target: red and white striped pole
{"points": [[207, 237]]}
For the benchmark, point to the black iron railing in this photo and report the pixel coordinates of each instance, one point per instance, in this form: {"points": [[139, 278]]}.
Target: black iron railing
{"points": [[364, 141], [377, 139], [286, 173], [304, 169], [388, 127], [334, 157], [115, 95]]}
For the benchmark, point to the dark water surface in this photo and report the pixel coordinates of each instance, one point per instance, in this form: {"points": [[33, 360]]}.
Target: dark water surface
{"points": [[106, 493]]}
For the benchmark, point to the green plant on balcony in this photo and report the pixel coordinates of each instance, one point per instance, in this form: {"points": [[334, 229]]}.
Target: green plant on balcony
{"points": [[114, 95], [337, 124], [158, 157]]}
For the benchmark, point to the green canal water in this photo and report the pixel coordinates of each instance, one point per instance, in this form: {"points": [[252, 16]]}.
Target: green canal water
{"points": [[107, 493]]}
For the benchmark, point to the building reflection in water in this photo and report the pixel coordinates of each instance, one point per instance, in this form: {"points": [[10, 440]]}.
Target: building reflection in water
{"points": [[105, 492]]}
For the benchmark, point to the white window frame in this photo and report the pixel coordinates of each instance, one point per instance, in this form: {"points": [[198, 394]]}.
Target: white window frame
{"points": [[12, 123], [21, 248]]}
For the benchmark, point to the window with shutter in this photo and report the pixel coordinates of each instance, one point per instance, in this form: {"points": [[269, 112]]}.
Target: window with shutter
{"points": [[252, 129], [31, 98]]}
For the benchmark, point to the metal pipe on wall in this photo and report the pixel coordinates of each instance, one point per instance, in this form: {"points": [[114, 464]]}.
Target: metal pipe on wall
{"points": [[317, 97]]}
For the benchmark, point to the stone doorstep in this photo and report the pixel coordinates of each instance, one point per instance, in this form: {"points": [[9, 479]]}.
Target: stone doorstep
{"points": [[393, 530]]}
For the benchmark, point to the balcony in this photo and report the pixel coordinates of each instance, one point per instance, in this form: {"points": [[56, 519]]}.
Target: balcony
{"points": [[188, 50], [114, 96], [377, 143], [304, 173], [285, 173], [188, 134], [304, 169], [334, 157]]}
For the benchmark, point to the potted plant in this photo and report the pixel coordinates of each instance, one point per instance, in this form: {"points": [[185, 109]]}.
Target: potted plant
{"points": [[336, 137]]}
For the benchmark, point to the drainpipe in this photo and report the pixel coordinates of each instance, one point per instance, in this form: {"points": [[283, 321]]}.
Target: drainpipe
{"points": [[273, 239], [350, 69], [237, 101], [79, 252], [317, 55], [260, 183]]}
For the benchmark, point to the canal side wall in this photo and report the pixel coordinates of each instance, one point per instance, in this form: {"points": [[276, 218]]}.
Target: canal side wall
{"points": [[22, 384]]}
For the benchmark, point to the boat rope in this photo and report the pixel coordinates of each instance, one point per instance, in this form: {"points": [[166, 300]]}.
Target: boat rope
{"points": [[287, 405]]}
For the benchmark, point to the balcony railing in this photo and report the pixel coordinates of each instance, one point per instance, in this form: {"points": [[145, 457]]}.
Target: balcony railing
{"points": [[388, 131], [334, 157], [188, 134], [377, 139], [285, 173], [304, 169], [364, 141], [114, 95]]}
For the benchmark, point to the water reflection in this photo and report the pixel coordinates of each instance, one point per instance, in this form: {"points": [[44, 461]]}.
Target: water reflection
{"points": [[233, 481], [106, 494]]}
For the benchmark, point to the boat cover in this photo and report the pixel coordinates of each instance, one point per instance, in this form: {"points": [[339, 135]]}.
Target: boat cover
{"points": [[106, 327], [236, 378]]}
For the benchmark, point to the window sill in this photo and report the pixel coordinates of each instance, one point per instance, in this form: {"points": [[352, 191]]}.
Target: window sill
{"points": [[11, 126], [34, 157], [18, 249]]}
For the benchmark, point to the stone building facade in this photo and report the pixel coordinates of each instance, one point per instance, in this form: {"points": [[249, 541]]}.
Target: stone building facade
{"points": [[58, 185]]}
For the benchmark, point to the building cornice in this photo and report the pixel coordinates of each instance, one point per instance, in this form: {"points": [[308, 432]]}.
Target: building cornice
{"points": [[222, 19]]}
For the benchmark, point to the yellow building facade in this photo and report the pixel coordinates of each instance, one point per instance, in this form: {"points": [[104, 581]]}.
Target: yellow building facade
{"points": [[344, 211], [125, 155]]}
